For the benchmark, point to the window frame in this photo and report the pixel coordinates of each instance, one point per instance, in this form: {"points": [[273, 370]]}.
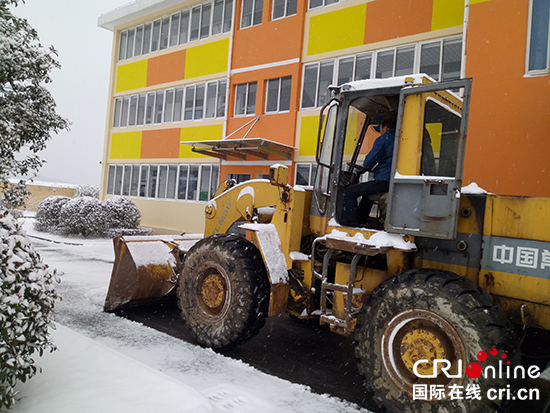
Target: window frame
{"points": [[535, 72], [322, 5], [254, 11], [149, 104], [148, 28], [311, 172], [247, 97], [134, 180], [373, 55], [279, 95], [285, 13]]}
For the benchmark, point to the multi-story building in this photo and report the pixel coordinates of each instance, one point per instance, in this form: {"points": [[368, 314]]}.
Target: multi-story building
{"points": [[202, 91]]}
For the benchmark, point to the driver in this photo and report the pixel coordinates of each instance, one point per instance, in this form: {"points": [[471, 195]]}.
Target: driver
{"points": [[378, 161]]}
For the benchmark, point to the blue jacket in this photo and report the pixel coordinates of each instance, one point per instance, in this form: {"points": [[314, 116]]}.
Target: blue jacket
{"points": [[378, 160]]}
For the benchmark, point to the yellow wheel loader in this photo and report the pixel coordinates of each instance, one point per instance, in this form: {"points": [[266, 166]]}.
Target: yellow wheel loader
{"points": [[427, 283]]}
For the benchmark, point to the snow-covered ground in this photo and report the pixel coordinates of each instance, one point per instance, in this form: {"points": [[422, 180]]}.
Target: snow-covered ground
{"points": [[109, 364]]}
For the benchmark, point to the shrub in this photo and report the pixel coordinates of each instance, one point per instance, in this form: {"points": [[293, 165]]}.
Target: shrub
{"points": [[27, 299], [48, 213], [122, 213], [87, 190], [84, 216], [89, 217]]}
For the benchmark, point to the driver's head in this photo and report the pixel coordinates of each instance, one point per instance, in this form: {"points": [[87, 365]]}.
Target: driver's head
{"points": [[385, 123], [388, 123]]}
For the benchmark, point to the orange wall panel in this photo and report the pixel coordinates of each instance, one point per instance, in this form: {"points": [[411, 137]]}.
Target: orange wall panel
{"points": [[163, 143], [272, 41], [278, 127], [166, 68], [398, 18], [508, 143]]}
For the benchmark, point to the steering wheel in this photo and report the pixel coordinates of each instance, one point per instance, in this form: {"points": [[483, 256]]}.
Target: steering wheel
{"points": [[356, 168]]}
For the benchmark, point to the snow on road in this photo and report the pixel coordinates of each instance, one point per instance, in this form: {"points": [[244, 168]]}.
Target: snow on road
{"points": [[142, 365]]}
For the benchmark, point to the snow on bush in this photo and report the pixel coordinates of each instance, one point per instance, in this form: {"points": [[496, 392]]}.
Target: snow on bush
{"points": [[87, 190], [122, 213], [84, 216], [48, 213], [89, 217], [27, 299]]}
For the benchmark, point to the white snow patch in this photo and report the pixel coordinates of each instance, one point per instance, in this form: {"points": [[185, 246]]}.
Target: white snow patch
{"points": [[303, 188], [229, 398], [388, 82], [378, 239], [266, 210], [87, 377], [298, 256], [87, 269], [270, 244], [278, 165], [151, 253], [473, 189], [426, 178]]}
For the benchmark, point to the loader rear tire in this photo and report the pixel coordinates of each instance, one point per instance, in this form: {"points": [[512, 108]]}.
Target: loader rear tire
{"points": [[224, 291], [427, 314]]}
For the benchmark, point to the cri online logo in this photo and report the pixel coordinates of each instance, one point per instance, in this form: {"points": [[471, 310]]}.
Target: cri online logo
{"points": [[474, 370]]}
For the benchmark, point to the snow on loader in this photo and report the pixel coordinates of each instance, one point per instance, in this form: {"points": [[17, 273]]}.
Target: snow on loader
{"points": [[427, 286]]}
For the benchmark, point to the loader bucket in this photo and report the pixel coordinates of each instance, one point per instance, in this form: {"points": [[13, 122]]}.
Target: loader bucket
{"points": [[145, 268]]}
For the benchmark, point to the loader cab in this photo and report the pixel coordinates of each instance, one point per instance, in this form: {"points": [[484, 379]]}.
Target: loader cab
{"points": [[428, 153]]}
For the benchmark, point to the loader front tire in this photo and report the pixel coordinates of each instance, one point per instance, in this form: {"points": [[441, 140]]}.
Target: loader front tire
{"points": [[224, 291], [428, 314]]}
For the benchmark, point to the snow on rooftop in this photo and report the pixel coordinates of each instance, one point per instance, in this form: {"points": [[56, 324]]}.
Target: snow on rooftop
{"points": [[132, 11]]}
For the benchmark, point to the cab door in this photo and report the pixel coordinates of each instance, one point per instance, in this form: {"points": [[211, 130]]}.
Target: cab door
{"points": [[428, 160]]}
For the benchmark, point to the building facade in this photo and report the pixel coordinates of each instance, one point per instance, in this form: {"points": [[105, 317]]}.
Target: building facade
{"points": [[202, 91]]}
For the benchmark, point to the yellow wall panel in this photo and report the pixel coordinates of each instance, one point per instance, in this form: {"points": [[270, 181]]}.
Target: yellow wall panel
{"points": [[309, 129], [198, 133], [126, 145], [447, 13], [207, 59], [131, 76], [337, 30], [477, 1]]}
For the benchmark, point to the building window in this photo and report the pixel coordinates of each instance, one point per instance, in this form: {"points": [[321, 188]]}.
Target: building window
{"points": [[207, 19], [284, 8], [320, 3], [172, 105], [278, 95], [537, 41], [440, 59], [183, 182], [251, 13], [238, 177], [245, 99], [317, 78], [305, 173]]}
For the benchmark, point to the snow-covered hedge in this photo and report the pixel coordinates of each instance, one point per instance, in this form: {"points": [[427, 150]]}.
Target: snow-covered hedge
{"points": [[87, 190], [122, 213], [27, 299], [48, 213], [84, 216], [89, 217]]}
